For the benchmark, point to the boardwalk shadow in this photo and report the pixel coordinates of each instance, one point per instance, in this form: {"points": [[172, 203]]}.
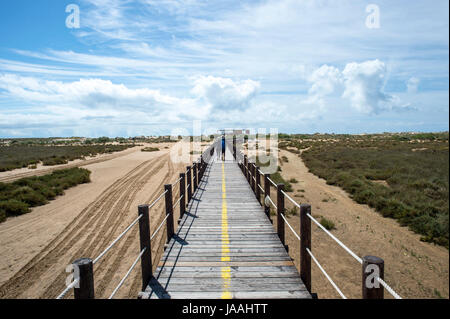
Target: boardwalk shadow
{"points": [[158, 289], [180, 240], [173, 251]]}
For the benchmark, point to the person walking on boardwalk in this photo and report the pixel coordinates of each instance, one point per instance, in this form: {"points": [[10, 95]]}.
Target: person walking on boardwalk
{"points": [[223, 147]]}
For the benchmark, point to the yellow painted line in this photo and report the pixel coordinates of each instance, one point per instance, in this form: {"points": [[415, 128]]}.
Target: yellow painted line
{"points": [[225, 271]]}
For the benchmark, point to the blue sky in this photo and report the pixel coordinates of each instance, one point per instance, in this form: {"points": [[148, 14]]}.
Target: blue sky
{"points": [[147, 67]]}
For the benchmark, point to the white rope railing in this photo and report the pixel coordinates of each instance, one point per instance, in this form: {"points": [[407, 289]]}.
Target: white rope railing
{"points": [[178, 201], [273, 183], [290, 227], [176, 182], [116, 240], [262, 189], [389, 289], [157, 200], [290, 198], [127, 274], [159, 227], [335, 239], [270, 200], [65, 291], [326, 275]]}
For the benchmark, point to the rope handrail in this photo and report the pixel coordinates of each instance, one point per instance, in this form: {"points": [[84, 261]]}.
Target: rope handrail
{"points": [[178, 201], [176, 182], [270, 200], [290, 227], [389, 289], [65, 291], [335, 239], [262, 189], [326, 275], [159, 227], [290, 198], [127, 274], [156, 200], [116, 240], [273, 183]]}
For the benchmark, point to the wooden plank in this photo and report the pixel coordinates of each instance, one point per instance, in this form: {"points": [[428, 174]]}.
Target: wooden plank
{"points": [[218, 274], [225, 263], [255, 280], [236, 285]]}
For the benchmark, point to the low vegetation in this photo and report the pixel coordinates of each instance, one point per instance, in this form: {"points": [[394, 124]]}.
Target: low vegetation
{"points": [[402, 176], [20, 156], [150, 149], [328, 224], [275, 177], [18, 197]]}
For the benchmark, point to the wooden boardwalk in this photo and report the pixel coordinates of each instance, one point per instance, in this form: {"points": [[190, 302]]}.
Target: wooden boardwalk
{"points": [[225, 246]]}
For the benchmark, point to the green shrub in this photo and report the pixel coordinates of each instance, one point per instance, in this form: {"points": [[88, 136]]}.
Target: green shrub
{"points": [[417, 195], [364, 197], [14, 207], [150, 149], [54, 161], [2, 216], [24, 154], [16, 198], [292, 212], [328, 224]]}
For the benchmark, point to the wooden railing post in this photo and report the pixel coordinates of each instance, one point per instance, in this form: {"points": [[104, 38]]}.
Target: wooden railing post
{"points": [[267, 193], [372, 267], [189, 183], [182, 194], [280, 211], [246, 167], [84, 267], [252, 169], [249, 172], [202, 169], [195, 176], [258, 182], [144, 236], [234, 146], [169, 211], [305, 243]]}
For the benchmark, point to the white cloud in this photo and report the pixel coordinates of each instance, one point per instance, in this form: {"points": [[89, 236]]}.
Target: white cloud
{"points": [[361, 83], [412, 85], [85, 92], [325, 81], [224, 93], [364, 84], [99, 100]]}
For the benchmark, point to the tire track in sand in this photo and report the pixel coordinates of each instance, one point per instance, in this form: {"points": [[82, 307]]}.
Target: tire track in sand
{"points": [[104, 270], [40, 270]]}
